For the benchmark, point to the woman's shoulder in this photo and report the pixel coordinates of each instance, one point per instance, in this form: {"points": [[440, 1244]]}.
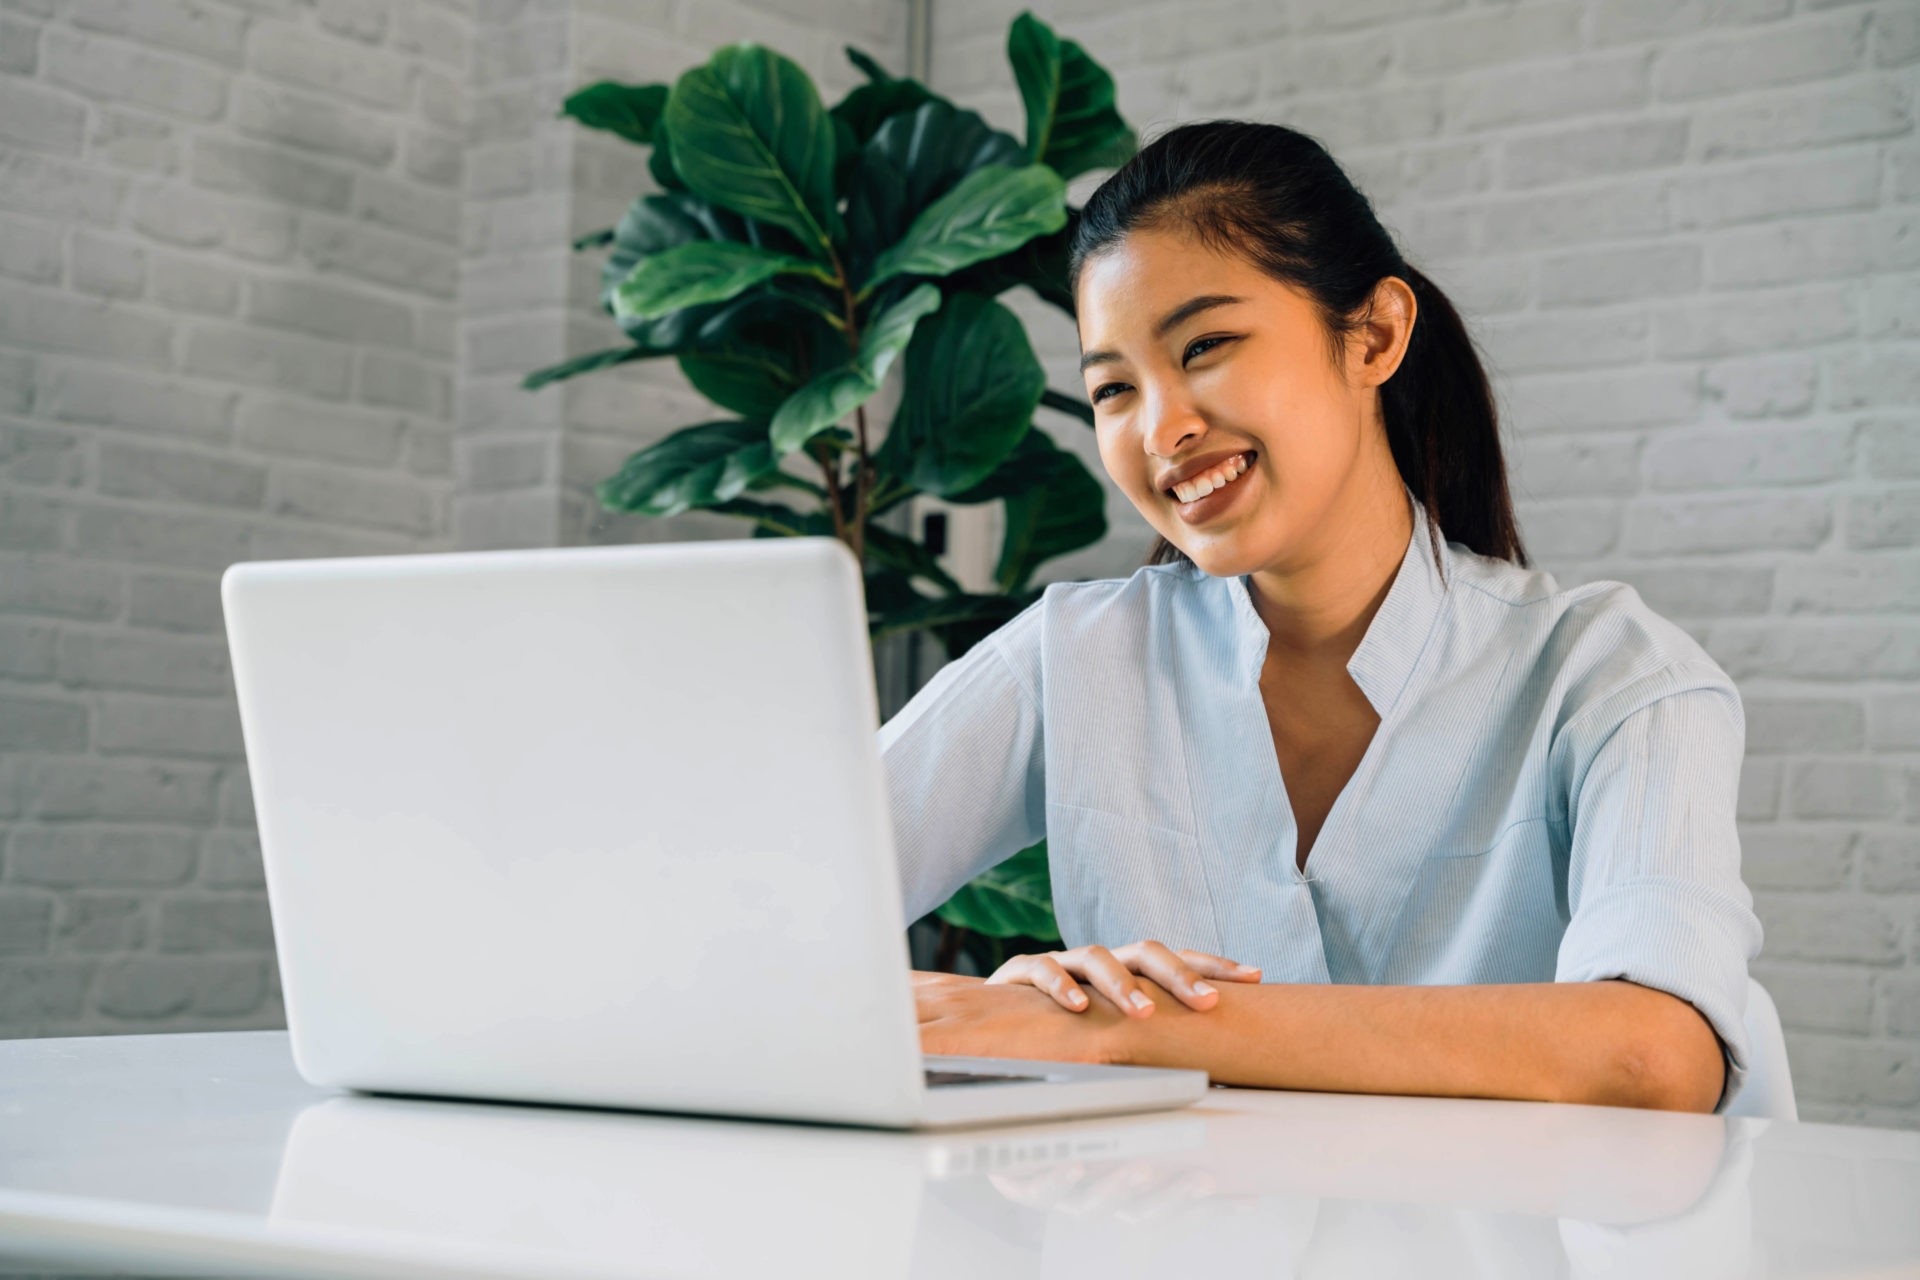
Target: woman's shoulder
{"points": [[1088, 608], [1149, 583], [1078, 615], [1601, 638]]}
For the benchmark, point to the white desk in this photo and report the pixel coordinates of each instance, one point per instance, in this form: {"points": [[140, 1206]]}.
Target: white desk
{"points": [[206, 1154]]}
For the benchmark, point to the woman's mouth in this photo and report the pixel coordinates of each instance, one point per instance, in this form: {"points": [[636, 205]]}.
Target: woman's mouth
{"points": [[1208, 495]]}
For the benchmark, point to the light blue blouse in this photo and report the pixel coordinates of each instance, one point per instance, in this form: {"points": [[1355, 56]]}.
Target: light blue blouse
{"points": [[1549, 796]]}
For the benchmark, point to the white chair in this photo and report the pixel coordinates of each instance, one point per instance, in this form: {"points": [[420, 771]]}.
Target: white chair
{"points": [[1769, 1089]]}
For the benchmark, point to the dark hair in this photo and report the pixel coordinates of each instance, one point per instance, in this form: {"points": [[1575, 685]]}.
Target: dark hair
{"points": [[1276, 197]]}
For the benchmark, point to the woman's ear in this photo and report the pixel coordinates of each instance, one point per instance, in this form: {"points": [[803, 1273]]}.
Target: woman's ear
{"points": [[1385, 331]]}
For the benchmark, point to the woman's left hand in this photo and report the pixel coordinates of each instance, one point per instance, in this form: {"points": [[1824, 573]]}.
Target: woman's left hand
{"points": [[1111, 974]]}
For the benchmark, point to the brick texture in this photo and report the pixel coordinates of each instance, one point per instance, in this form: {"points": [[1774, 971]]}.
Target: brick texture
{"points": [[224, 288], [269, 277]]}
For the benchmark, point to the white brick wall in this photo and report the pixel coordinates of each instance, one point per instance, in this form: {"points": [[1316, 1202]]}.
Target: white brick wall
{"points": [[229, 255], [1688, 239], [258, 259]]}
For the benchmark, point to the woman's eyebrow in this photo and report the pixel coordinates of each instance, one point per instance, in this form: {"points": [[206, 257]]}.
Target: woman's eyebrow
{"points": [[1185, 311]]}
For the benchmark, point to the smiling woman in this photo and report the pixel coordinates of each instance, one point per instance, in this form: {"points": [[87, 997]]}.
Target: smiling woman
{"points": [[1438, 824]]}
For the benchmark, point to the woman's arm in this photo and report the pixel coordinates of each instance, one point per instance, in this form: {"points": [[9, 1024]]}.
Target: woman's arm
{"points": [[1611, 1043], [964, 767], [1606, 1043]]}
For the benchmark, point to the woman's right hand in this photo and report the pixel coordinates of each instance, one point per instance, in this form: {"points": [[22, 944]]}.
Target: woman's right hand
{"points": [[1111, 973]]}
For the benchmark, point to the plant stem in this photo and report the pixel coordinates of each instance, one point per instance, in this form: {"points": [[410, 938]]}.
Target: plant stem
{"points": [[861, 476], [786, 480], [858, 540], [887, 493], [829, 467]]}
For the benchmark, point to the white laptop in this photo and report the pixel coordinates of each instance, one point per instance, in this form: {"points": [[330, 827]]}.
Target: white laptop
{"points": [[601, 826]]}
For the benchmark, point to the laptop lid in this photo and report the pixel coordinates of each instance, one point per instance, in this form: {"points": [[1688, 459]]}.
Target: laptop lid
{"points": [[600, 825]]}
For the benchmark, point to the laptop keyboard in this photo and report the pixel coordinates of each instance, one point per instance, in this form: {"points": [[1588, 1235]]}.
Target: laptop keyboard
{"points": [[936, 1079]]}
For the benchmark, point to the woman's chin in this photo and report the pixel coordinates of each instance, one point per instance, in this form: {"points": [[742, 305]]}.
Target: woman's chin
{"points": [[1216, 556]]}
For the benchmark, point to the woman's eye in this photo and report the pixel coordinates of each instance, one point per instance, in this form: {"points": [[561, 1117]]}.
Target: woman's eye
{"points": [[1197, 347]]}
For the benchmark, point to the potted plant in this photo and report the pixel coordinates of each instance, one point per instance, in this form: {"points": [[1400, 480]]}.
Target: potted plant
{"points": [[793, 255]]}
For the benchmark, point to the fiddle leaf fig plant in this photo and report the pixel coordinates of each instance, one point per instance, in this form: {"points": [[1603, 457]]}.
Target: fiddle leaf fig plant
{"points": [[790, 257]]}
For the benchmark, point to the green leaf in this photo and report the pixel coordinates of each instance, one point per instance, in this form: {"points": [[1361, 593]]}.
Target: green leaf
{"points": [[585, 364], [660, 162], [867, 65], [1038, 66], [838, 392], [776, 519], [777, 479], [630, 110], [1041, 264], [654, 224], [1072, 123], [972, 384], [1067, 511], [701, 271], [747, 355], [1011, 900], [903, 555], [866, 107], [926, 613], [911, 160], [593, 239], [887, 590], [820, 403], [846, 156], [991, 211], [1026, 468], [748, 132], [696, 466], [958, 621]]}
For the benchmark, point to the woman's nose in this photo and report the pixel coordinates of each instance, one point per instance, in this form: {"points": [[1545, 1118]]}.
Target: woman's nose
{"points": [[1172, 421]]}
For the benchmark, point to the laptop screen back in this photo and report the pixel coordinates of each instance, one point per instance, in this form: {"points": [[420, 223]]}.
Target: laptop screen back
{"points": [[602, 825]]}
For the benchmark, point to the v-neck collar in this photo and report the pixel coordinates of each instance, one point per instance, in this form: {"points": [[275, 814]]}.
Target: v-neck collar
{"points": [[1398, 632]]}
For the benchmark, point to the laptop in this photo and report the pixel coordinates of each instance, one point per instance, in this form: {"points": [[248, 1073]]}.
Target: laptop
{"points": [[600, 826]]}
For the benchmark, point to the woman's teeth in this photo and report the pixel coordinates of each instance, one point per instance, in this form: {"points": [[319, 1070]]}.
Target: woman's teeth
{"points": [[1218, 478]]}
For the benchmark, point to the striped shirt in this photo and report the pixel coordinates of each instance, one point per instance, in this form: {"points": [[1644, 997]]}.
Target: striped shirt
{"points": [[1549, 796]]}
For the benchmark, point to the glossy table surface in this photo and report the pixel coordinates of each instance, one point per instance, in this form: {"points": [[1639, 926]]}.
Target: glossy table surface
{"points": [[206, 1154]]}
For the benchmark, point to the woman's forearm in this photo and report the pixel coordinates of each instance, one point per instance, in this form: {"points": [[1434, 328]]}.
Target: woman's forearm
{"points": [[1611, 1043]]}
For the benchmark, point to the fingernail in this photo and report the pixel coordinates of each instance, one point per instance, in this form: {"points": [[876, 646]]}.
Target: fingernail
{"points": [[1202, 989], [1076, 997], [1139, 1000]]}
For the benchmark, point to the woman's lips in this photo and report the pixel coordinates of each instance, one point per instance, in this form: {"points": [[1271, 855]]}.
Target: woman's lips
{"points": [[1249, 454], [1220, 500]]}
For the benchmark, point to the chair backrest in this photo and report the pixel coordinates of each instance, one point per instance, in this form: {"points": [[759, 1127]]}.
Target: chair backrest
{"points": [[1769, 1088]]}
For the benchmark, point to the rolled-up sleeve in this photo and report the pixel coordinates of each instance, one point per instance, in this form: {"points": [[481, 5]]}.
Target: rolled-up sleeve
{"points": [[1654, 892], [963, 761]]}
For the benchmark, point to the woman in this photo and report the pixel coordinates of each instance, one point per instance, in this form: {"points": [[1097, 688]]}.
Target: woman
{"points": [[1470, 832]]}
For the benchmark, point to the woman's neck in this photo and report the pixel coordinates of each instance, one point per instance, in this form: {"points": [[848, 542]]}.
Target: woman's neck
{"points": [[1317, 614]]}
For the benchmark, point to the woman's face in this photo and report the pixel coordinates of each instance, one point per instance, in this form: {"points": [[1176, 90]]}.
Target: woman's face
{"points": [[1196, 356]]}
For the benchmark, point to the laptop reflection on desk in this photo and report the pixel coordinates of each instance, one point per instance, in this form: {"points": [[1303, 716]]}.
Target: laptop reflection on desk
{"points": [[565, 1192]]}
